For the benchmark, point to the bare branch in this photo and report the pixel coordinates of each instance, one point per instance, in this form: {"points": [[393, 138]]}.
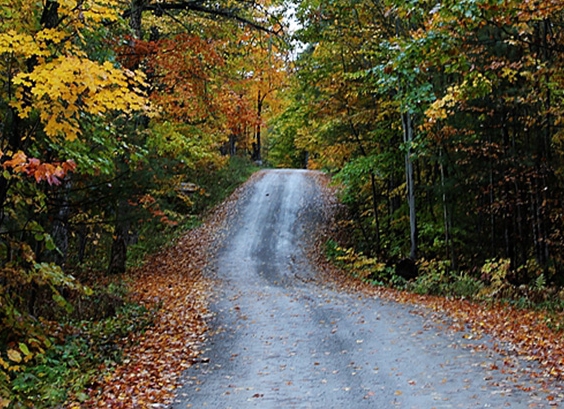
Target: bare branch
{"points": [[199, 7]]}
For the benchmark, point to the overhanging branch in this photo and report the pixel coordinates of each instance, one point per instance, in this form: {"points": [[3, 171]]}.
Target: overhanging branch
{"points": [[199, 7]]}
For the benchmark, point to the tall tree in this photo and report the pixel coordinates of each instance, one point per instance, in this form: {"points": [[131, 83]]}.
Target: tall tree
{"points": [[467, 91]]}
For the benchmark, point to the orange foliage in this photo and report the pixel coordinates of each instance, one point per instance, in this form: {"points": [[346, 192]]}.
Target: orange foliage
{"points": [[52, 173], [194, 84], [134, 52]]}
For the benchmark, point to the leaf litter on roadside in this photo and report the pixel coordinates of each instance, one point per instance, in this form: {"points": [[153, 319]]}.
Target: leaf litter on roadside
{"points": [[173, 281], [516, 332]]}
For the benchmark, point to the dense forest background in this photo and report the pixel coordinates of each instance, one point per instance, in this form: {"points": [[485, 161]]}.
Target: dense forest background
{"points": [[443, 123], [123, 120]]}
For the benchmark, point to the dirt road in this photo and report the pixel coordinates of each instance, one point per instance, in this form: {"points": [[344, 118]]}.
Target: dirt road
{"points": [[283, 340]]}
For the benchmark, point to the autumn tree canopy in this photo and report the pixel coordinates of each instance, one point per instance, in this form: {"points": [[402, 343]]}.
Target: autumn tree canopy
{"points": [[443, 123], [440, 121], [115, 118]]}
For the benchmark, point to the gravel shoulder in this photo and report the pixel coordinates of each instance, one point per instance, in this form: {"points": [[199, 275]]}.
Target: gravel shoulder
{"points": [[283, 337]]}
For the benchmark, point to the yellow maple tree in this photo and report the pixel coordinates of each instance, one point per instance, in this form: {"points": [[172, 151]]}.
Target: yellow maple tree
{"points": [[48, 72]]}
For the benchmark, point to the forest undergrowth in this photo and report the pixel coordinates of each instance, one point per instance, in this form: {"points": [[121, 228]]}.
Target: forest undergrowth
{"points": [[123, 340], [525, 321]]}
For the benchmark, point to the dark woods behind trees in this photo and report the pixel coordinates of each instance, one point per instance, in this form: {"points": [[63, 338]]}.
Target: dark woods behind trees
{"points": [[443, 122], [113, 119]]}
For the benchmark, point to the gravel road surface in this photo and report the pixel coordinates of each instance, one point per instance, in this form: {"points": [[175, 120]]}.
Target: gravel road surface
{"points": [[282, 339]]}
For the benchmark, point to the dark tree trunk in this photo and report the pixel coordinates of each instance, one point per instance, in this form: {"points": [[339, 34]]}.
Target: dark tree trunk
{"points": [[257, 146], [60, 231], [135, 17], [118, 255], [82, 242], [446, 214], [232, 145], [375, 210], [408, 138], [50, 15]]}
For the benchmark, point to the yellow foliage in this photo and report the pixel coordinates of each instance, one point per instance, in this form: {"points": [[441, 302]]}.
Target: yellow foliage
{"points": [[471, 87], [358, 264], [14, 356], [496, 270], [337, 154], [443, 106], [99, 10], [49, 73], [23, 45], [88, 11], [509, 73], [68, 85]]}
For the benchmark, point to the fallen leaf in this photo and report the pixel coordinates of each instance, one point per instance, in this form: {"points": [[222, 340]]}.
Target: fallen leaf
{"points": [[14, 356]]}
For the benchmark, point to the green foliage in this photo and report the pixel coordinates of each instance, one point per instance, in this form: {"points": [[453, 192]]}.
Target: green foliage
{"points": [[154, 235], [475, 82], [64, 365], [282, 148], [216, 184], [335, 253], [74, 360], [365, 268], [434, 278], [496, 272], [437, 278], [24, 284]]}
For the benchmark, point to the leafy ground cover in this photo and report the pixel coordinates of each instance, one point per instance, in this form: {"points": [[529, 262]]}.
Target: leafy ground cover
{"points": [[531, 331], [153, 359], [517, 332], [171, 283]]}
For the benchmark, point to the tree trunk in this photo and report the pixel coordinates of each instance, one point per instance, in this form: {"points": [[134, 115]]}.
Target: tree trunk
{"points": [[375, 210], [82, 234], [408, 138], [491, 197], [257, 147], [135, 18], [118, 255], [50, 15], [374, 190], [60, 230], [446, 215], [232, 144]]}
